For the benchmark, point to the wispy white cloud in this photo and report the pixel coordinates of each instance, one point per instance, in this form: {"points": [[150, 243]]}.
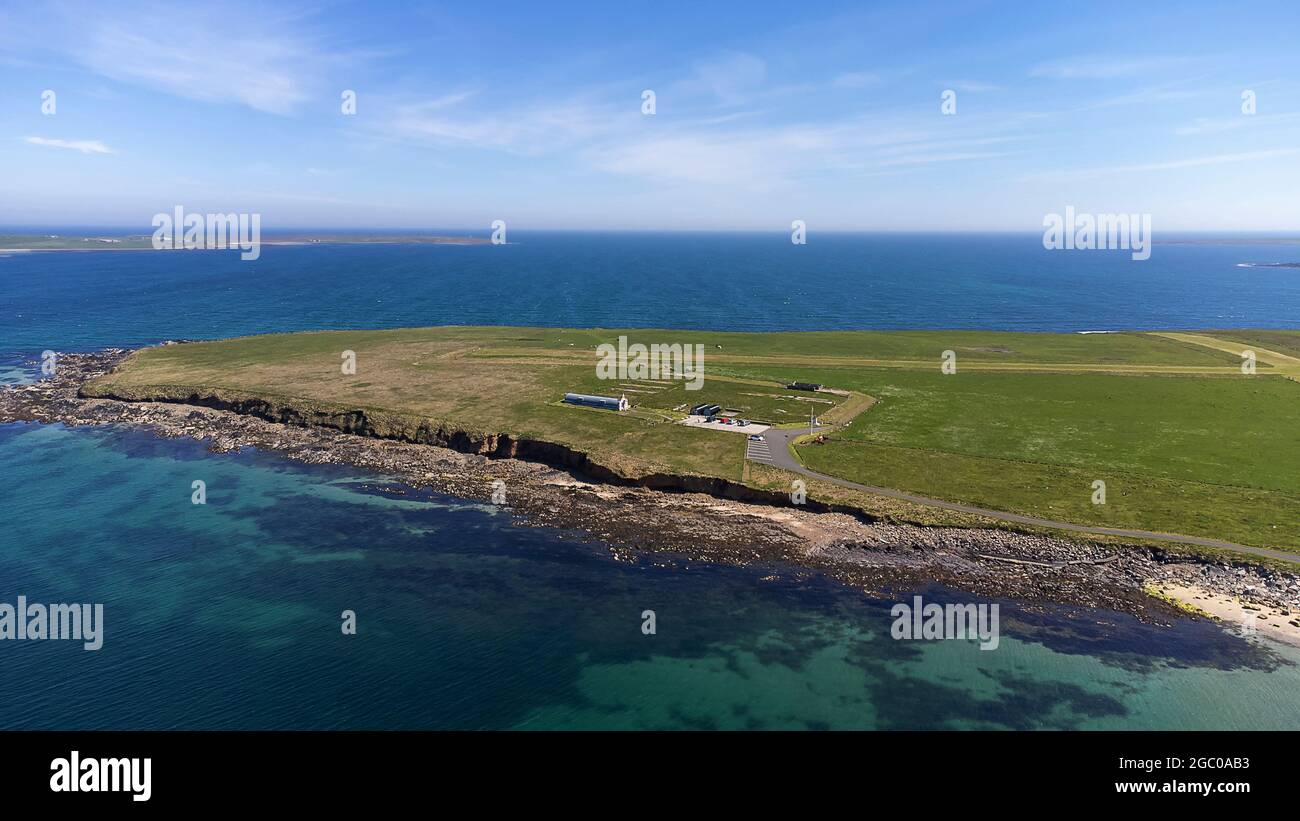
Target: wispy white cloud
{"points": [[1204, 125], [439, 103], [535, 129], [730, 117], [857, 79], [84, 146], [973, 86], [1105, 67], [731, 77], [714, 145], [240, 54], [203, 63], [686, 158], [762, 158], [1143, 96], [1171, 165]]}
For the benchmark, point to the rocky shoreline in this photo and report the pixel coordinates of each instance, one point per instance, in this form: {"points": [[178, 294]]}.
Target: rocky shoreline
{"points": [[684, 527]]}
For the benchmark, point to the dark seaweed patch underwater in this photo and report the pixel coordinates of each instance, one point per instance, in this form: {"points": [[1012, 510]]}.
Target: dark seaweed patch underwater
{"points": [[227, 615]]}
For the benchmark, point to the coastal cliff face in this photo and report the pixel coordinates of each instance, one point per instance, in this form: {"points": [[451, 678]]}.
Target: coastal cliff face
{"points": [[403, 428], [704, 519]]}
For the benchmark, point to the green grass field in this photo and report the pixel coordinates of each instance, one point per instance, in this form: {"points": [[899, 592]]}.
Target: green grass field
{"points": [[1284, 342], [981, 345], [1184, 441]]}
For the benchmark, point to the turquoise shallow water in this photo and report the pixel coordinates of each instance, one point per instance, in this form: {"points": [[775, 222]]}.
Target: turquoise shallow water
{"points": [[227, 616]]}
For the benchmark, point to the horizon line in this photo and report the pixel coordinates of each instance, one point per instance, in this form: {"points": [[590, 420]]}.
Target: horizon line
{"points": [[15, 228]]}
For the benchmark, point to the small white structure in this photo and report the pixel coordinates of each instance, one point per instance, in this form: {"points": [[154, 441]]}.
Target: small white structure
{"points": [[605, 402]]}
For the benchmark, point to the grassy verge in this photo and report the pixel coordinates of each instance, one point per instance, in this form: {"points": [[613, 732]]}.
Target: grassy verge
{"points": [[1210, 454]]}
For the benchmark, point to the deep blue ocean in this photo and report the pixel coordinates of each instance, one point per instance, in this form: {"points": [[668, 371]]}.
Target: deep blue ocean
{"points": [[754, 282], [227, 615]]}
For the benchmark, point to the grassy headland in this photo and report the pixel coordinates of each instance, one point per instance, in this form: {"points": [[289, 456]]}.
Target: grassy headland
{"points": [[1183, 440]]}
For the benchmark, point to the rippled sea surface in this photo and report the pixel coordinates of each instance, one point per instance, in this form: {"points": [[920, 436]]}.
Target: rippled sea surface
{"points": [[709, 281], [227, 615]]}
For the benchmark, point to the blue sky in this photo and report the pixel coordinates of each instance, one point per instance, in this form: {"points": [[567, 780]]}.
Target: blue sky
{"points": [[765, 113]]}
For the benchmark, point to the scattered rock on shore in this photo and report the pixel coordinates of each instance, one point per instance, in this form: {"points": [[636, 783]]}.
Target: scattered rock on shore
{"points": [[874, 555]]}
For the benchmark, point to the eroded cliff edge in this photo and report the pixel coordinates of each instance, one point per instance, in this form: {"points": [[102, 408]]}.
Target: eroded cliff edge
{"points": [[706, 519]]}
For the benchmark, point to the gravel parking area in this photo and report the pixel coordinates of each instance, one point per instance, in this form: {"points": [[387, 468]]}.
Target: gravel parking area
{"points": [[702, 422]]}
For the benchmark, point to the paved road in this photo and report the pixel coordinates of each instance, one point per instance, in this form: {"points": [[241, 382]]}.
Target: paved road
{"points": [[758, 451], [779, 455]]}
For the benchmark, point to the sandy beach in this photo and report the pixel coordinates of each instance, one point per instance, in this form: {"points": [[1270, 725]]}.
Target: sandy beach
{"points": [[1239, 613]]}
